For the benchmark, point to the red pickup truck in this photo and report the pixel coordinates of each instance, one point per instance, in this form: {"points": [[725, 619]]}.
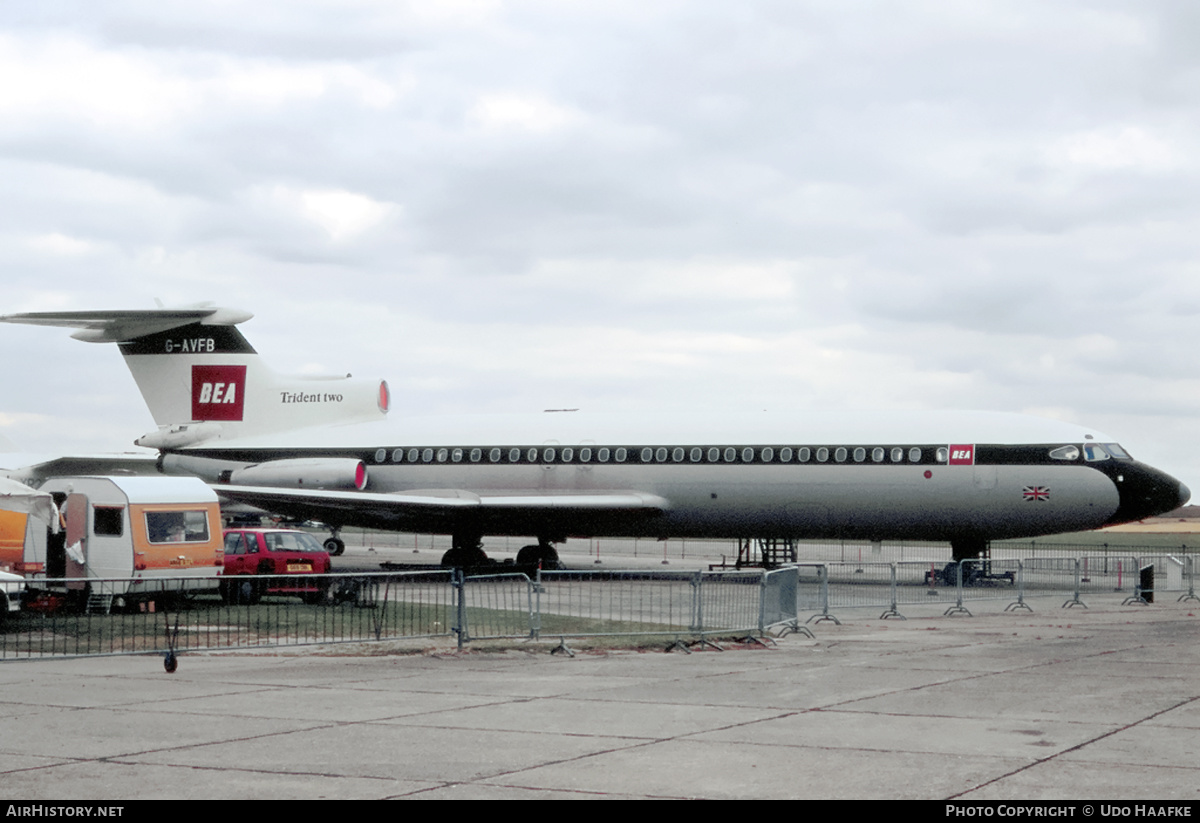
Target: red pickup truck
{"points": [[284, 560]]}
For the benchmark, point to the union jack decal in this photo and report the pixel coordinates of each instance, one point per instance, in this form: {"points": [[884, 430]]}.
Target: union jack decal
{"points": [[1036, 492]]}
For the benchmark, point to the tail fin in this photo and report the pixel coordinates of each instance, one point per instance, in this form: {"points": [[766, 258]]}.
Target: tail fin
{"points": [[202, 380]]}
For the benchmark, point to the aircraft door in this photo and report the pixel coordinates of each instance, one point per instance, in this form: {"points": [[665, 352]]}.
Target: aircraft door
{"points": [[77, 535]]}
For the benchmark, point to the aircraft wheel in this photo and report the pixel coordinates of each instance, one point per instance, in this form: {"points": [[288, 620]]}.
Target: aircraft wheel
{"points": [[462, 558], [545, 556], [335, 546]]}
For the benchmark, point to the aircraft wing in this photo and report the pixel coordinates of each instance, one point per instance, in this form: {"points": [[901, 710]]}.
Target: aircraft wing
{"points": [[38, 467], [442, 509]]}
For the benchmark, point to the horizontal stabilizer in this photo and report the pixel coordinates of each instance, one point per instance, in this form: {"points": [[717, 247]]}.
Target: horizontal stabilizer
{"points": [[121, 325]]}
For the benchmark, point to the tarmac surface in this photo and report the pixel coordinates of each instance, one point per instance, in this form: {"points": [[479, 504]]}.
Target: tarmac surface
{"points": [[1090, 704]]}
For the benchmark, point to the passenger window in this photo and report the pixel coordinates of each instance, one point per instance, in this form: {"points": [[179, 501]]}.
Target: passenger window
{"points": [[412, 455], [803, 454], [441, 455], [456, 456], [677, 455], [585, 455], [747, 455], [380, 455], [840, 454], [730, 454], [620, 455], [877, 455], [914, 455], [941, 455], [785, 455], [768, 454], [897, 454], [476, 454], [567, 454], [714, 454], [860, 454], [822, 454], [548, 456], [494, 455], [234, 544], [514, 455], [398, 456], [697, 454], [531, 455], [647, 454], [427, 456], [602, 455]]}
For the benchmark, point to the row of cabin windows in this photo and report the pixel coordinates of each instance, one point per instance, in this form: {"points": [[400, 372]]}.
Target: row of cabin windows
{"points": [[661, 454]]}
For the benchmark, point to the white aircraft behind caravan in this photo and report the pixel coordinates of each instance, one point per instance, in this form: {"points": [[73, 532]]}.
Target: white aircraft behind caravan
{"points": [[326, 449]]}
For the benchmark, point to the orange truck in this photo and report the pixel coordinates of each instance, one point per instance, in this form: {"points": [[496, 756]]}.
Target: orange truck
{"points": [[141, 536]]}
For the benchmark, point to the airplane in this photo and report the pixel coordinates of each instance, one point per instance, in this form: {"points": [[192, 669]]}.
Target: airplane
{"points": [[327, 449]]}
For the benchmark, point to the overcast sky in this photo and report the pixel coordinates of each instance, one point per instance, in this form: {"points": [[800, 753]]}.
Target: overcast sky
{"points": [[618, 205]]}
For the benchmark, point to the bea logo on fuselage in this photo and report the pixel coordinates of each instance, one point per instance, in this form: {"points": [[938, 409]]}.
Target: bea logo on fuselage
{"points": [[962, 455], [218, 392]]}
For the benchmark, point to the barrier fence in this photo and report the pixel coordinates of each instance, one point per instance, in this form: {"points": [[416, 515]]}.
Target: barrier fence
{"points": [[78, 617], [827, 588]]}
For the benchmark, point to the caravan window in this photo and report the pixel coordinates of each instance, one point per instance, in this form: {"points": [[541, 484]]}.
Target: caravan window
{"points": [[177, 526], [108, 521]]}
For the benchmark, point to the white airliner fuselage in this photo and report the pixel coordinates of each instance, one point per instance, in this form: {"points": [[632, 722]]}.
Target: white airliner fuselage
{"points": [[303, 448]]}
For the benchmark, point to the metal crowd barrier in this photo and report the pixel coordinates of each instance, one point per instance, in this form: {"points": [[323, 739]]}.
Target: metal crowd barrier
{"points": [[829, 587], [90, 616], [79, 617]]}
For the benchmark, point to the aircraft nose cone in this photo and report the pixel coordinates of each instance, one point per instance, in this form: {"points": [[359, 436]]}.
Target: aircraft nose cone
{"points": [[1146, 492]]}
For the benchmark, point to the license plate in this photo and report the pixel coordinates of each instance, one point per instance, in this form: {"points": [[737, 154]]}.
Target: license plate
{"points": [[299, 567]]}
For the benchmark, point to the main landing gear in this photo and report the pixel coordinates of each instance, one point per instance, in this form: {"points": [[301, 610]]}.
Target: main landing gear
{"points": [[466, 549], [543, 555], [334, 544]]}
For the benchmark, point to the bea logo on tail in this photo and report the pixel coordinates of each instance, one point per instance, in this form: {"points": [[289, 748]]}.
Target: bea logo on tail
{"points": [[218, 392]]}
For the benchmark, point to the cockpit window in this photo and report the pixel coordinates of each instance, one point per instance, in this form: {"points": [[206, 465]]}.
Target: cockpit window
{"points": [[1065, 453], [1117, 452], [1094, 452]]}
